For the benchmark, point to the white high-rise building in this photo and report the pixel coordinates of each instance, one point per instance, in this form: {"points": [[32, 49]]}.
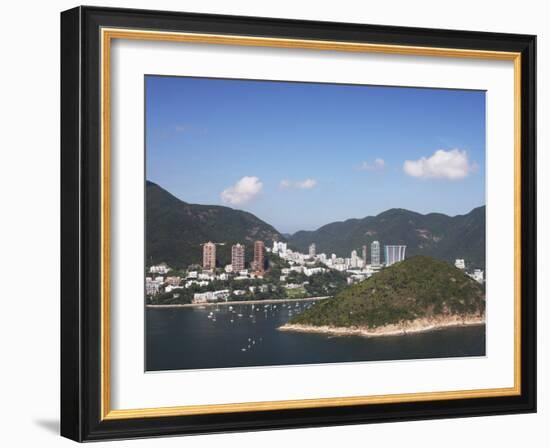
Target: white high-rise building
{"points": [[394, 254], [375, 253], [279, 247], [312, 250], [354, 261], [459, 263]]}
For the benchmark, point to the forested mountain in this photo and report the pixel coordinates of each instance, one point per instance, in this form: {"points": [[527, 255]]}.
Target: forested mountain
{"points": [[176, 230], [435, 234]]}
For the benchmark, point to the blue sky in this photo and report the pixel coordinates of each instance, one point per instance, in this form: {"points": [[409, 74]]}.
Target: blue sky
{"points": [[301, 155]]}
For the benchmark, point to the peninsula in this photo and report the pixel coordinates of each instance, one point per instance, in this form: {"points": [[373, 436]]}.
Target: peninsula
{"points": [[414, 295]]}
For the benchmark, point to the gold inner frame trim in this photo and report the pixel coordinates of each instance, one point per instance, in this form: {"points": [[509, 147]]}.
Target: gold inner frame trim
{"points": [[107, 35]]}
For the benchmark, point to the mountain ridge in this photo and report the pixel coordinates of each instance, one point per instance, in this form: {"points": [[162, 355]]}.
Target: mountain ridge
{"points": [[175, 230], [434, 234]]}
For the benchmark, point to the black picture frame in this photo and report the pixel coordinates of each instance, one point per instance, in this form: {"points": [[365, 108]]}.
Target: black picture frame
{"points": [[81, 224]]}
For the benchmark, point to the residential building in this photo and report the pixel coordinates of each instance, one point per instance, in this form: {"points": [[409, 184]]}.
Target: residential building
{"points": [[173, 281], [237, 257], [159, 269], [259, 256], [210, 296], [312, 250], [478, 275], [209, 256], [459, 263], [354, 259], [312, 271], [375, 253], [364, 254], [153, 287], [394, 254], [279, 247]]}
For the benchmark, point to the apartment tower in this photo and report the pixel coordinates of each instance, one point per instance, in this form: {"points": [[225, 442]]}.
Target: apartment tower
{"points": [[375, 253], [209, 255], [259, 256], [237, 257], [394, 254]]}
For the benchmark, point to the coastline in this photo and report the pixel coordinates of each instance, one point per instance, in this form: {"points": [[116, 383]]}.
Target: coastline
{"points": [[410, 327], [237, 302]]}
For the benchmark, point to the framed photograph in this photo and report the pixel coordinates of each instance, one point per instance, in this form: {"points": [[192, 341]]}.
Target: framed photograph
{"points": [[273, 223]]}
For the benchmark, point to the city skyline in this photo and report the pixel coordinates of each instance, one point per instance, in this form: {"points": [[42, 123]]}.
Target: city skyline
{"points": [[271, 148], [392, 254]]}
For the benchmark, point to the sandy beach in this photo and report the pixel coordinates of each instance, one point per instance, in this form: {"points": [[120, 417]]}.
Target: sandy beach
{"points": [[403, 328]]}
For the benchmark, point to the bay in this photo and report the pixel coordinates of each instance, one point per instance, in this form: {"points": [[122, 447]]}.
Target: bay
{"points": [[247, 336]]}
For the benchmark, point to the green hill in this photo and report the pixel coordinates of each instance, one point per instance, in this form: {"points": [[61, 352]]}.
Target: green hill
{"points": [[435, 235], [175, 229], [419, 287]]}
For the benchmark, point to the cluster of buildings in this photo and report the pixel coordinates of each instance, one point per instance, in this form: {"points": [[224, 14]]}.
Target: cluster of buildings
{"points": [[477, 274], [157, 282], [356, 266], [237, 257]]}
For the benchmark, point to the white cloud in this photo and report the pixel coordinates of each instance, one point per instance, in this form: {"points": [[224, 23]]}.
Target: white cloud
{"points": [[246, 189], [452, 164], [305, 184], [378, 164]]}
